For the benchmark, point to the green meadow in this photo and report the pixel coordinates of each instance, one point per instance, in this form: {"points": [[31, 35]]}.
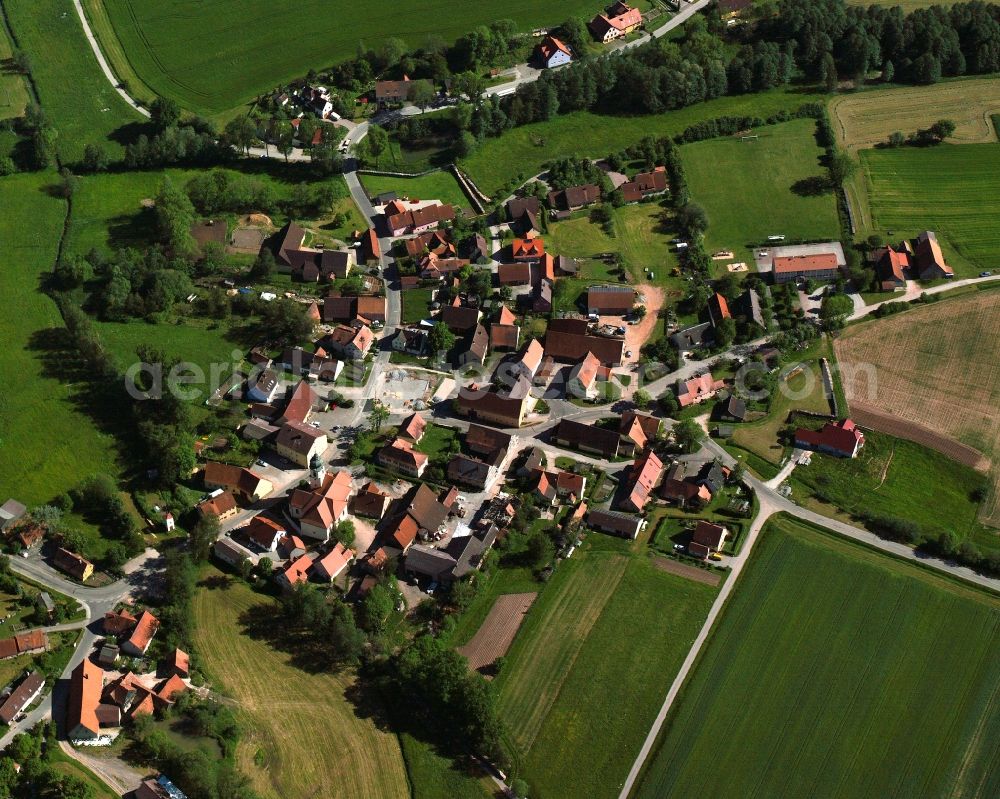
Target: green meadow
{"points": [[837, 671]]}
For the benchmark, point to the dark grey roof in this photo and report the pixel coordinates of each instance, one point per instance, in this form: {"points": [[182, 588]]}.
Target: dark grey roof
{"points": [[613, 521], [694, 336], [713, 477], [748, 305], [429, 561]]}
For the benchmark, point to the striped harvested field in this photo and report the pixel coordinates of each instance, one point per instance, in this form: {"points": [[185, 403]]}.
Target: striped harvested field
{"points": [[867, 118], [494, 637], [836, 671], [936, 367]]}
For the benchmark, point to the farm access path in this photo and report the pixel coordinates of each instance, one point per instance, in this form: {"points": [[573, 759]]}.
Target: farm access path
{"points": [[862, 310]]}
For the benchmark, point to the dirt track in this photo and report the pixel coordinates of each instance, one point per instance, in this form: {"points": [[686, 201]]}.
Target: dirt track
{"points": [[870, 417], [684, 570], [494, 637]]}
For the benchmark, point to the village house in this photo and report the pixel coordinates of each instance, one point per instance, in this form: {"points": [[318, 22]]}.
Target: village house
{"points": [[461, 556], [370, 250], [718, 309], [119, 622], [371, 502], [473, 348], [222, 506], [328, 566], [569, 341], [400, 456], [551, 53], [505, 334], [294, 573], [642, 479], [411, 340], [516, 274], [76, 566], [558, 485], [231, 553], [365, 309], [821, 266], [21, 697], [693, 337], [86, 715], [891, 266], [505, 407], [522, 213], [400, 221], [610, 300], [574, 198], [306, 263], [460, 319], [541, 298], [614, 523], [468, 471], [291, 547], [142, 634], [929, 260], [391, 92], [842, 439], [412, 428], [619, 19], [242, 483], [747, 306], [584, 377], [731, 409], [299, 443], [11, 512], [300, 405], [528, 250], [28, 643], [265, 532], [178, 662], [697, 389], [587, 438], [644, 185], [350, 342], [421, 512], [683, 486], [707, 539], [320, 509], [637, 430], [264, 387]]}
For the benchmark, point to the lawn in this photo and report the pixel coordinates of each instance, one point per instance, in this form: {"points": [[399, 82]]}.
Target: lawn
{"points": [[433, 776], [48, 440], [837, 671], [587, 668], [78, 100], [963, 211], [279, 751], [888, 474], [435, 186], [436, 442], [522, 152], [802, 391], [416, 305], [64, 764], [757, 188], [185, 49], [13, 89]]}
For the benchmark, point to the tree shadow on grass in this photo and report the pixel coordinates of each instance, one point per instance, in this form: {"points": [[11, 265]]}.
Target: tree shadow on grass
{"points": [[814, 186], [308, 649]]}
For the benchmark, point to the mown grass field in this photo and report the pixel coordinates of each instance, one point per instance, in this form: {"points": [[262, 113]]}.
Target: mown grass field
{"points": [[934, 366], [48, 442], [13, 89], [753, 189], [435, 186], [587, 670], [836, 671], [288, 712], [888, 474], [185, 48], [963, 209], [78, 100], [523, 151]]}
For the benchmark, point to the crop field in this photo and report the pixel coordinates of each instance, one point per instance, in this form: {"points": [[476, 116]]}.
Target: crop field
{"points": [[185, 49], [965, 206], [435, 186], [864, 119], [276, 752], [586, 669], [936, 367], [836, 671], [78, 100], [48, 442], [522, 152], [494, 638], [760, 187]]}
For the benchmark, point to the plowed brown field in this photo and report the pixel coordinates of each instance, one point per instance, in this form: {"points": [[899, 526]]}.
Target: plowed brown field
{"points": [[494, 637], [938, 368]]}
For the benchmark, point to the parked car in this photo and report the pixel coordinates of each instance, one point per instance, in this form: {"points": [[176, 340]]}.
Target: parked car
{"points": [[679, 547], [985, 274]]}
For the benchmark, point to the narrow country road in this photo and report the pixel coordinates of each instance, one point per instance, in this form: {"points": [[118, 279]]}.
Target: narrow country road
{"points": [[105, 68], [865, 310]]}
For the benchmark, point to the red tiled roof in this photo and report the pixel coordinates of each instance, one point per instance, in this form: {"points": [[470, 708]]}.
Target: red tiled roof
{"points": [[709, 535], [821, 262], [529, 249], [296, 571], [144, 631], [86, 685], [843, 437]]}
